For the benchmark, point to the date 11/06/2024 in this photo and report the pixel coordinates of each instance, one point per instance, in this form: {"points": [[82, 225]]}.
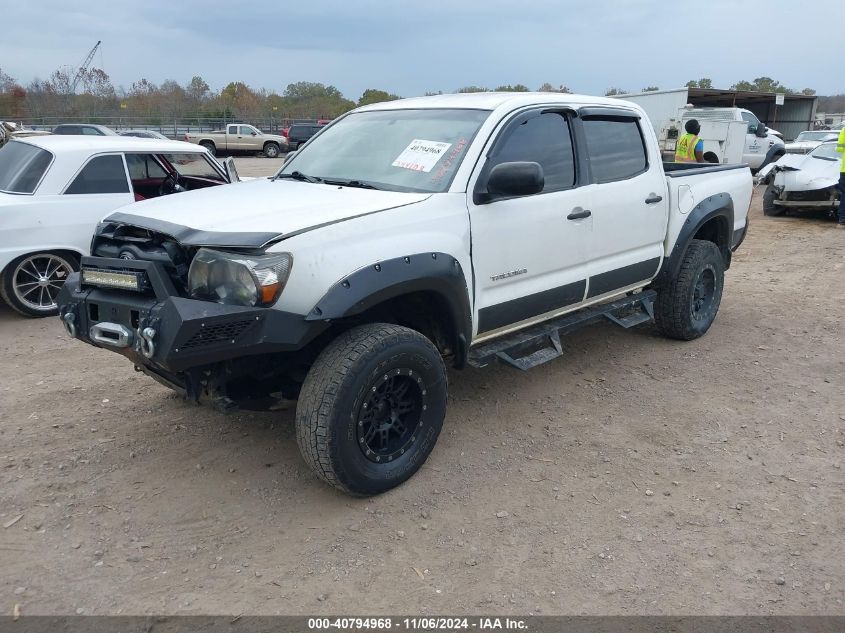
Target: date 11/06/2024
{"points": [[416, 624]]}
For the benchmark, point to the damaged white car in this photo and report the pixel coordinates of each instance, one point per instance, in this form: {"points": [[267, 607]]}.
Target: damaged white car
{"points": [[804, 183]]}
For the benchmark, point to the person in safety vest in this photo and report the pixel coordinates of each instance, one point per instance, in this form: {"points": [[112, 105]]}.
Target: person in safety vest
{"points": [[840, 147], [690, 148]]}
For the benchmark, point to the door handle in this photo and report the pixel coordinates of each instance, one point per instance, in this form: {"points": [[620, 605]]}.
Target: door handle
{"points": [[653, 199], [579, 214]]}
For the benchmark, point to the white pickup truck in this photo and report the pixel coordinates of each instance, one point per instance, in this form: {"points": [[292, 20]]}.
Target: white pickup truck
{"points": [[455, 229]]}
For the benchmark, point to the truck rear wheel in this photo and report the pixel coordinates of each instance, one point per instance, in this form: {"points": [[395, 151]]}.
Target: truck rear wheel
{"points": [[769, 206], [687, 305], [211, 147], [371, 408]]}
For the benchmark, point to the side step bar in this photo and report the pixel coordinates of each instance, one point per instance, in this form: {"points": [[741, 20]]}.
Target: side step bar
{"points": [[541, 343]]}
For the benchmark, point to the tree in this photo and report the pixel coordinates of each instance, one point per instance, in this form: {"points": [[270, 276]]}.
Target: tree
{"points": [[612, 92], [371, 95], [651, 89], [706, 83], [6, 82], [308, 99], [514, 88], [761, 84], [197, 90], [466, 89], [808, 91], [547, 87]]}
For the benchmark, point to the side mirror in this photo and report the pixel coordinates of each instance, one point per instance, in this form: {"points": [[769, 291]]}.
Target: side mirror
{"points": [[761, 130], [508, 180], [290, 155], [230, 169]]}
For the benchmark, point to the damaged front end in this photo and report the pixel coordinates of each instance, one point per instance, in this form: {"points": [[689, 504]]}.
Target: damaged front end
{"points": [[798, 190], [131, 297]]}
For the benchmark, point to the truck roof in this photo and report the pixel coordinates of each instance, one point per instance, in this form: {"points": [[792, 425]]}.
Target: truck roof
{"points": [[494, 100]]}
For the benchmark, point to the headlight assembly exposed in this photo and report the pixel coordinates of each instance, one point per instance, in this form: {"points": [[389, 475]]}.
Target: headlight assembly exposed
{"points": [[235, 279]]}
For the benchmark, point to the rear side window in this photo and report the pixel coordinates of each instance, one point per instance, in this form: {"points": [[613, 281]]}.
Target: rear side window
{"points": [[543, 139], [22, 166], [103, 174], [615, 148]]}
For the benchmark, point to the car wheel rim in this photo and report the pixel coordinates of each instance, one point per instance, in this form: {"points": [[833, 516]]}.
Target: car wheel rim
{"points": [[391, 416], [704, 295], [38, 279], [271, 152]]}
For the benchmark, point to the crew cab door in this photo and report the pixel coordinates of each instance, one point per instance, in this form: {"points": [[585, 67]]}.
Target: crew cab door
{"points": [[529, 252], [232, 137], [628, 200]]}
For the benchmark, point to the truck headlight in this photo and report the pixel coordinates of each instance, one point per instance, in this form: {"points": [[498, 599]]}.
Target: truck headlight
{"points": [[235, 279]]}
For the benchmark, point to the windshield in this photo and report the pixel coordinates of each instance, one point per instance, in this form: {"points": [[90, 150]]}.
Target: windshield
{"points": [[826, 151], [22, 166], [396, 150], [813, 136]]}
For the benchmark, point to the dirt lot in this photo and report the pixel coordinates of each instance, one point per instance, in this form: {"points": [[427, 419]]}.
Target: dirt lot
{"points": [[637, 475]]}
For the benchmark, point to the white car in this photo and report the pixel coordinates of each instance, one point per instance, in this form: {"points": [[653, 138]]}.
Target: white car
{"points": [[54, 190], [804, 182], [810, 140]]}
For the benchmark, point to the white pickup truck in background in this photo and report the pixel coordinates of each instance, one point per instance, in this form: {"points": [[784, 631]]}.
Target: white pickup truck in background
{"points": [[462, 229]]}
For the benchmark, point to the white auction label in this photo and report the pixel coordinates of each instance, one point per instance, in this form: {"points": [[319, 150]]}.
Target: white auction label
{"points": [[421, 155]]}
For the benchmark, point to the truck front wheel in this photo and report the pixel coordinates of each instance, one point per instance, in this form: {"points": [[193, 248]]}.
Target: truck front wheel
{"points": [[371, 408], [687, 305]]}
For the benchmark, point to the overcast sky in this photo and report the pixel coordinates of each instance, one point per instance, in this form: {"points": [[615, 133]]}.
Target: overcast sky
{"points": [[413, 47]]}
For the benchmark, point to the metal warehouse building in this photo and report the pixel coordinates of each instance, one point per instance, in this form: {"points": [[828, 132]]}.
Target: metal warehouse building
{"points": [[796, 115]]}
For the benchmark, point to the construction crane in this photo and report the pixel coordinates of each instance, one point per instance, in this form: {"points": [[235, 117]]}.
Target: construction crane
{"points": [[83, 67]]}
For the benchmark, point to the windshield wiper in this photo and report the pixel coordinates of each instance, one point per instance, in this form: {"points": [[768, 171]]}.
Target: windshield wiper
{"points": [[360, 184], [298, 175]]}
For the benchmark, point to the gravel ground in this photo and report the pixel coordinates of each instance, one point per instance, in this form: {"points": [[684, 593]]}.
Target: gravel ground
{"points": [[635, 475]]}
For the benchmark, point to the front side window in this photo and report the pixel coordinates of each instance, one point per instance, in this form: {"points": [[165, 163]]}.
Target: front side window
{"points": [[247, 130], [192, 164], [22, 166], [143, 167], [406, 150], [91, 131], [543, 139], [102, 174], [615, 148], [751, 120]]}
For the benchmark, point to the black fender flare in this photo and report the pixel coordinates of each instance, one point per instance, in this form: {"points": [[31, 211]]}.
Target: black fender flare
{"points": [[774, 150], [719, 205], [438, 273]]}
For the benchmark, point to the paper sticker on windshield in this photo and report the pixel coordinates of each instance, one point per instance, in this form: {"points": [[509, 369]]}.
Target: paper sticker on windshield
{"points": [[421, 155]]}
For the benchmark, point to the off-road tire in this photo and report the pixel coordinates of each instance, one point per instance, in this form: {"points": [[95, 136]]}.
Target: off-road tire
{"points": [[272, 150], [69, 263], [675, 308], [211, 147], [769, 206], [335, 395]]}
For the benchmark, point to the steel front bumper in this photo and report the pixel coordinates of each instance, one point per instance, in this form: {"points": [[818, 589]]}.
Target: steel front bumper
{"points": [[167, 333]]}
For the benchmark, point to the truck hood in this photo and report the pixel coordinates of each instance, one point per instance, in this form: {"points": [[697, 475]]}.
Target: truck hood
{"points": [[256, 213]]}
